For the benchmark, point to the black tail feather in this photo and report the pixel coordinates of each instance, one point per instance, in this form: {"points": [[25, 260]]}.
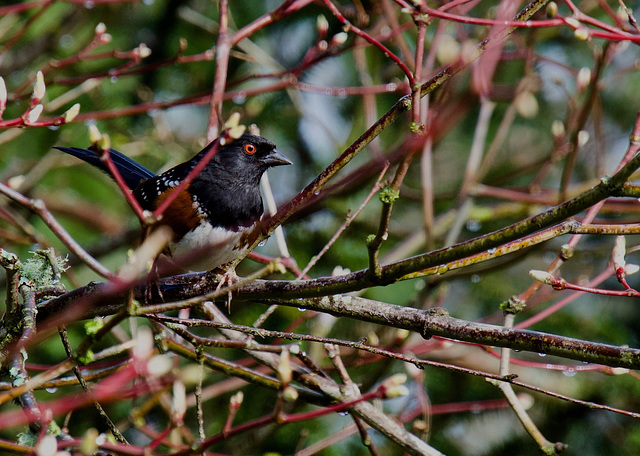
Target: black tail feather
{"points": [[132, 172]]}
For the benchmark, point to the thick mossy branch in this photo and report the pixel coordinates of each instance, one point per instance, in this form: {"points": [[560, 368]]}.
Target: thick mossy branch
{"points": [[435, 322]]}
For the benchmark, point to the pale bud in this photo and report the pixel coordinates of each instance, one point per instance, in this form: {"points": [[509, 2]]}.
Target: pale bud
{"points": [[339, 38], [105, 142], [237, 131], [567, 251], [402, 334], [395, 380], [468, 52], [89, 445], [3, 94], [285, 374], [526, 400], [557, 129], [47, 446], [622, 14], [619, 251], [373, 339], [421, 426], [94, 134], [448, 50], [143, 348], [149, 217], [159, 366], [290, 394], [584, 78], [105, 38], [552, 9], [233, 120], [16, 182], [582, 33], [34, 114], [39, 88], [526, 105], [101, 28], [339, 271], [254, 129], [542, 276], [143, 51], [179, 403], [396, 391], [583, 137], [322, 24], [183, 44], [573, 22], [71, 113], [236, 400], [191, 374]]}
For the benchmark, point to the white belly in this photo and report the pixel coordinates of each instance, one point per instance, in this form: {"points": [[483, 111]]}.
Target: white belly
{"points": [[206, 247]]}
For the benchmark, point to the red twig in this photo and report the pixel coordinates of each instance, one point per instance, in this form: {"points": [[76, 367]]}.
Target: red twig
{"points": [[378, 393], [559, 283], [563, 302], [24, 122], [350, 27], [286, 8], [415, 89], [25, 6], [223, 47], [122, 71], [160, 438], [108, 390]]}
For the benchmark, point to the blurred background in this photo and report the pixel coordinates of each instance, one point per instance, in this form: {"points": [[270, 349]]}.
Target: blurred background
{"points": [[551, 117]]}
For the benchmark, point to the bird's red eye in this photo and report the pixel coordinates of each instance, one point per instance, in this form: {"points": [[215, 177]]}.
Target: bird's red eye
{"points": [[250, 149]]}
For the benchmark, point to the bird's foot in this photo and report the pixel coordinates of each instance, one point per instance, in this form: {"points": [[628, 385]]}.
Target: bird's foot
{"points": [[152, 284]]}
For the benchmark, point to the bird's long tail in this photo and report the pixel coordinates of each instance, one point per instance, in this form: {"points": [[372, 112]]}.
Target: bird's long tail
{"points": [[132, 172]]}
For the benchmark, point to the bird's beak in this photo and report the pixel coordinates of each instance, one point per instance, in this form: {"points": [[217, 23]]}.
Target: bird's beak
{"points": [[276, 158]]}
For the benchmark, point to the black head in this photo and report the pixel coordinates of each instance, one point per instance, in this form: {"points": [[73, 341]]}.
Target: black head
{"points": [[247, 158]]}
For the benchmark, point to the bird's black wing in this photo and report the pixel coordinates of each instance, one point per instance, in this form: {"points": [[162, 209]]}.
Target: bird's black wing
{"points": [[132, 172]]}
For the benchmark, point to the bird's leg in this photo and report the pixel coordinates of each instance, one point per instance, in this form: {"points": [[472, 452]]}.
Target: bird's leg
{"points": [[226, 278], [153, 281]]}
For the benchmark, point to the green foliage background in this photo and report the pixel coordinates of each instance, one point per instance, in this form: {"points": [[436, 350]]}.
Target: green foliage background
{"points": [[312, 129]]}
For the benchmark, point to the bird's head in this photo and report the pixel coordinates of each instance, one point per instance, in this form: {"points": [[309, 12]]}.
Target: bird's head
{"points": [[249, 156]]}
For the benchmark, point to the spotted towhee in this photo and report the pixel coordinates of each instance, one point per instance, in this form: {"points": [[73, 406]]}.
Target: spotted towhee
{"points": [[217, 210]]}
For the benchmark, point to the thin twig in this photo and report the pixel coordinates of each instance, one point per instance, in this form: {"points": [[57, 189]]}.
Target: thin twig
{"points": [[38, 207]]}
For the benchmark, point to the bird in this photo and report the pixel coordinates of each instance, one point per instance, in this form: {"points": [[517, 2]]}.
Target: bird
{"points": [[218, 212]]}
